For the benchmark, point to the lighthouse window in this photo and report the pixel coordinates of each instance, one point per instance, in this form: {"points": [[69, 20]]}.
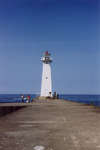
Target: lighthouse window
{"points": [[47, 58]]}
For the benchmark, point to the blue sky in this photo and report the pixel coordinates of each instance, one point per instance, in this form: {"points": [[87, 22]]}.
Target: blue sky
{"points": [[68, 29]]}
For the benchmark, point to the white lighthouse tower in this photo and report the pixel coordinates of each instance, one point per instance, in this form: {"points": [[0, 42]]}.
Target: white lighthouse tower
{"points": [[46, 85]]}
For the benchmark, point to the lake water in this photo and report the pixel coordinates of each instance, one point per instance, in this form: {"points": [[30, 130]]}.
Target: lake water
{"points": [[13, 98], [87, 99]]}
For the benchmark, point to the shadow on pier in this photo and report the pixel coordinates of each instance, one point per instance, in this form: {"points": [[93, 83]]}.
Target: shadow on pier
{"points": [[4, 110]]}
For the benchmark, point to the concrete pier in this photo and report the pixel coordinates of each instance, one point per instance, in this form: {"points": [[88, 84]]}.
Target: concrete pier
{"points": [[53, 124]]}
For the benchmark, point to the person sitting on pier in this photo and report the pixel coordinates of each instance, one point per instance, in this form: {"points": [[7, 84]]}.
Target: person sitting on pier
{"points": [[29, 98]]}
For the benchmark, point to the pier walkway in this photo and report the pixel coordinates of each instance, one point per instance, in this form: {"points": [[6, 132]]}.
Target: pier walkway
{"points": [[53, 124]]}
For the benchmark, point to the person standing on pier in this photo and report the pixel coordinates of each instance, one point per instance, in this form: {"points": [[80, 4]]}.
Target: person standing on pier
{"points": [[22, 97]]}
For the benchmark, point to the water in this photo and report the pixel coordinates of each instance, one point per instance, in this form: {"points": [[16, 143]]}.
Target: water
{"points": [[86, 99], [13, 98]]}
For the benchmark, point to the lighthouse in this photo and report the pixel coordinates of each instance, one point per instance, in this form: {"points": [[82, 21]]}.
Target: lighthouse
{"points": [[46, 84]]}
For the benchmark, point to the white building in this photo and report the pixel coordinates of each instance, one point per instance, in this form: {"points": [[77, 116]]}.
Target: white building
{"points": [[46, 85]]}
